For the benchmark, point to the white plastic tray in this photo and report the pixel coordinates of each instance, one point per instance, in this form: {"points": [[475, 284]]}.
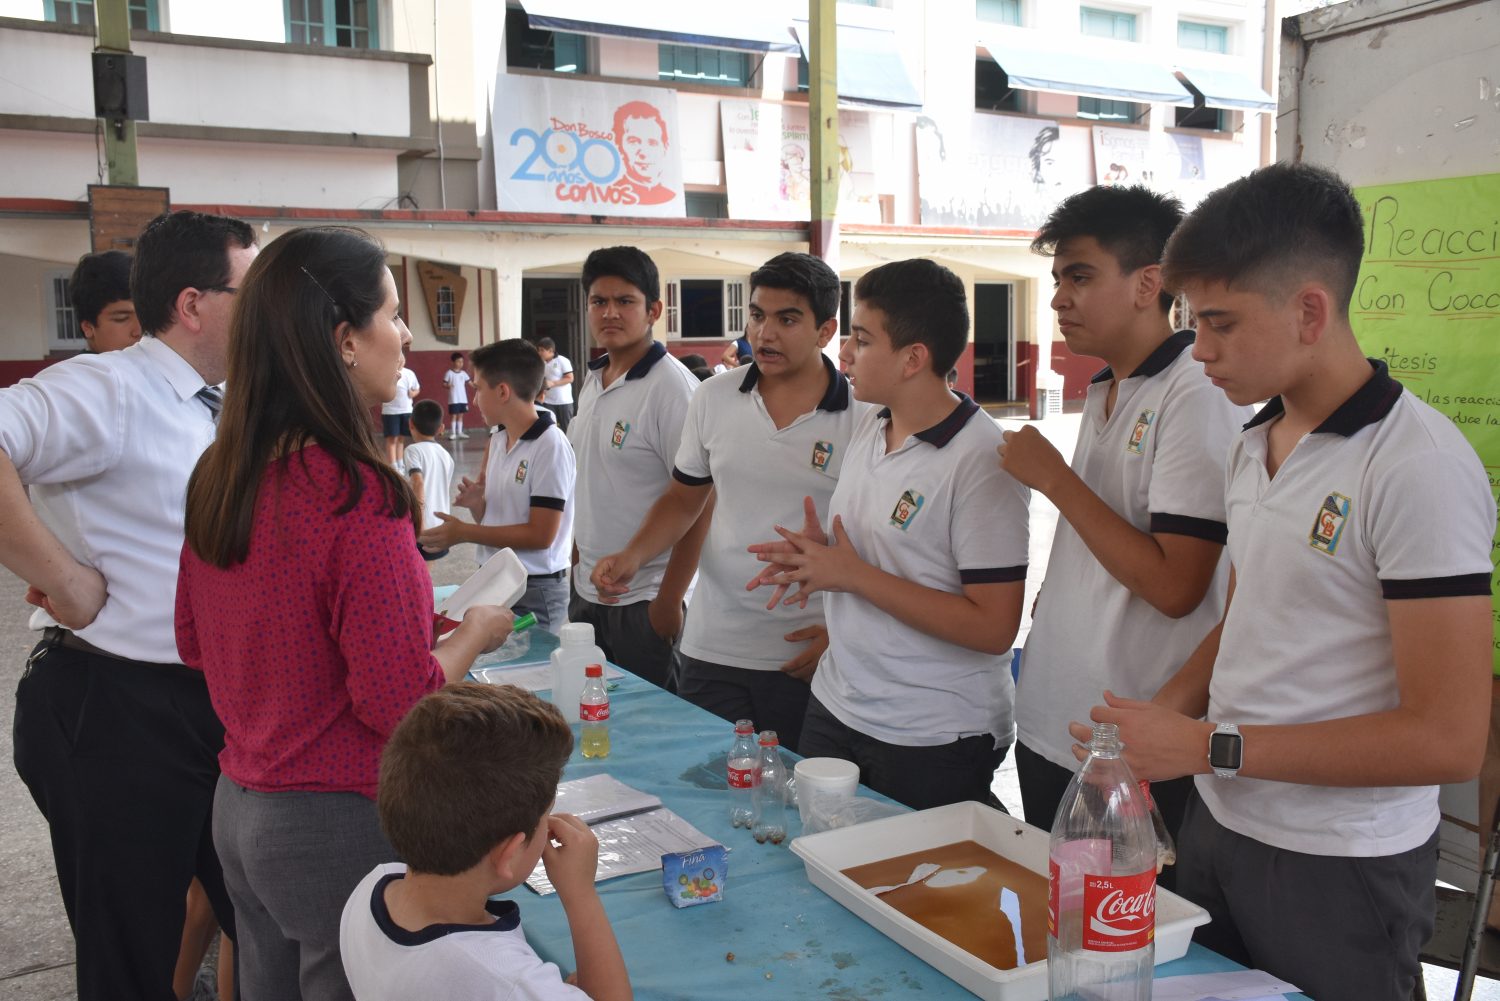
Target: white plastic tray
{"points": [[827, 854]]}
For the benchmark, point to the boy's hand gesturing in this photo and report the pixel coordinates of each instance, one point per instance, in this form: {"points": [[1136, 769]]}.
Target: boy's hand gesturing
{"points": [[1031, 458], [769, 552], [571, 857], [812, 566]]}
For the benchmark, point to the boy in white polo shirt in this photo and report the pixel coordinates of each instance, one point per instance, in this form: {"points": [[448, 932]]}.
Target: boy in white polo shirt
{"points": [[758, 439], [1136, 554], [524, 498], [626, 432], [925, 558], [1348, 677], [429, 466]]}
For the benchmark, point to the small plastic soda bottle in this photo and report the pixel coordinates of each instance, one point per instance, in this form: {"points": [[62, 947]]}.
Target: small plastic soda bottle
{"points": [[769, 794], [1101, 907], [593, 710], [741, 767]]}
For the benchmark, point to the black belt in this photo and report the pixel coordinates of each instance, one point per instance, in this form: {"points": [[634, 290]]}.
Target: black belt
{"points": [[57, 636], [547, 576]]}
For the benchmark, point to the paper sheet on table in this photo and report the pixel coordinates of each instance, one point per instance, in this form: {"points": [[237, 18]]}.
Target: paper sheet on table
{"points": [[633, 844], [532, 677], [597, 798], [1242, 985]]}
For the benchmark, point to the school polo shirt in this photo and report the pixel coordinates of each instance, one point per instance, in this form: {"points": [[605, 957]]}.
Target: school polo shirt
{"points": [[1158, 462], [538, 471], [626, 436], [1383, 501], [761, 475], [939, 511]]}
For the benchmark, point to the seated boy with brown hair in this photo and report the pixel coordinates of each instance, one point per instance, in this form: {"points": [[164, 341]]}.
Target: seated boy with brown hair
{"points": [[466, 785]]}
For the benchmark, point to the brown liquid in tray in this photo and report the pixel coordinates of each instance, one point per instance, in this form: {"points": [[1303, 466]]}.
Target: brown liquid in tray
{"points": [[966, 913]]}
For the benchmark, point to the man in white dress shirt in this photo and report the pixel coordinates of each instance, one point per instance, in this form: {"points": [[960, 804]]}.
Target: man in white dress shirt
{"points": [[114, 737]]}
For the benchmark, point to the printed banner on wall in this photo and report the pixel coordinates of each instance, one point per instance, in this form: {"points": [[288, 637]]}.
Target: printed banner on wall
{"points": [[1428, 302], [767, 162], [1000, 173], [591, 148], [1172, 164]]}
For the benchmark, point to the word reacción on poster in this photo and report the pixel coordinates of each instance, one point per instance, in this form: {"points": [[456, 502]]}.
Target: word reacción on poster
{"points": [[1428, 302]]}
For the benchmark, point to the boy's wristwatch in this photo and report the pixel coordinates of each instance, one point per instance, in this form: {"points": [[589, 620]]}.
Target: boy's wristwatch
{"points": [[1225, 750]]}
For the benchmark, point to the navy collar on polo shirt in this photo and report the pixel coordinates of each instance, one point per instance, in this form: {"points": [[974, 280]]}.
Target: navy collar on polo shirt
{"points": [[544, 420], [835, 398], [507, 918], [655, 353], [1369, 404], [943, 431], [1156, 362]]}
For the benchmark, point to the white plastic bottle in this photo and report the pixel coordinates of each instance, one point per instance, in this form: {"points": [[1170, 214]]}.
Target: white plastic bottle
{"points": [[1101, 902], [575, 652]]}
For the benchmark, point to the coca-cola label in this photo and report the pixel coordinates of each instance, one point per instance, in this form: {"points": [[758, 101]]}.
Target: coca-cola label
{"points": [[1119, 911], [1054, 894], [593, 712], [741, 778]]}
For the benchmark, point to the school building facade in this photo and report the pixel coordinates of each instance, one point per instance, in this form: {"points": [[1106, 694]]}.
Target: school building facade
{"points": [[492, 145]]}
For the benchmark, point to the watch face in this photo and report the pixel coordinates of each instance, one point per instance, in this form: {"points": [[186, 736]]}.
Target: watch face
{"points": [[1224, 750]]}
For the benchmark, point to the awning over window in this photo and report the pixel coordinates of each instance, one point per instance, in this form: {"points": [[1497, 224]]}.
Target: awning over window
{"points": [[1220, 89], [748, 27], [870, 67], [1059, 72]]}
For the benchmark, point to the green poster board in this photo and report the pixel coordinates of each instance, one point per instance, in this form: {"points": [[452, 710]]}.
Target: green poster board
{"points": [[1428, 302]]}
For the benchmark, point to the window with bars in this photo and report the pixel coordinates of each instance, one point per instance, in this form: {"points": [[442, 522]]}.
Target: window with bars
{"points": [[1107, 23], [65, 332], [445, 310], [998, 11], [143, 13], [345, 24], [674, 309], [1203, 37], [734, 308], [695, 64]]}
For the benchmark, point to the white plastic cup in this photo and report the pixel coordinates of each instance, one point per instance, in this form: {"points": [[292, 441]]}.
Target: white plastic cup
{"points": [[822, 783]]}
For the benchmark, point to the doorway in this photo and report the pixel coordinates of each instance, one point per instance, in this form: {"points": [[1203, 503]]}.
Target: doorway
{"points": [[552, 307], [994, 342]]}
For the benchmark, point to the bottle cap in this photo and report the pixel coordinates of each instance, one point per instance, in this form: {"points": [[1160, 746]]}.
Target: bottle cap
{"points": [[576, 634], [768, 739], [594, 671], [744, 726]]}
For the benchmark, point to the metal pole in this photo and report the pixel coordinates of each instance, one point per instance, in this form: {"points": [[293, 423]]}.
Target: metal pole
{"points": [[113, 20], [823, 128]]}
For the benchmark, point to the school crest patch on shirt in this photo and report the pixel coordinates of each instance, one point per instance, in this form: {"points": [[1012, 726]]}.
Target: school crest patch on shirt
{"points": [[521, 472], [1137, 443], [906, 509], [822, 454], [622, 431], [1329, 523]]}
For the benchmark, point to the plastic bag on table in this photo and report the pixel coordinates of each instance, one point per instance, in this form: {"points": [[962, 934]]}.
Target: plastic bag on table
{"points": [[827, 815]]}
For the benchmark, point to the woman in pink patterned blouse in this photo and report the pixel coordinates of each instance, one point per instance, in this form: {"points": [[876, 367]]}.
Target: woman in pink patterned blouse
{"points": [[304, 600]]}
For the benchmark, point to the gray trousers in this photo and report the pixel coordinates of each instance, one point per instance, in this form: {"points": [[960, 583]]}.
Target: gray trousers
{"points": [[1340, 928], [290, 860], [547, 599]]}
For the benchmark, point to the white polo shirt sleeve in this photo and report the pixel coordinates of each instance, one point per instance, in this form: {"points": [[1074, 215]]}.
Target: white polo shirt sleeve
{"points": [[1431, 517], [1185, 496], [554, 471], [692, 465], [989, 525]]}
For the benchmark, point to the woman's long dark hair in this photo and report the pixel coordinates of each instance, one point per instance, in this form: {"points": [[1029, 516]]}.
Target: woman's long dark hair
{"points": [[287, 385]]}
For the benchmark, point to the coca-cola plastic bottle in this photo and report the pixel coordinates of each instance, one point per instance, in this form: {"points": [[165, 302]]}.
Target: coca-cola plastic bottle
{"points": [[1101, 904], [769, 794], [593, 709], [742, 762]]}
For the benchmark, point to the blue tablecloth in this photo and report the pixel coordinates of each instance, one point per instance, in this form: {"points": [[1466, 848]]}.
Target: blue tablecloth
{"points": [[788, 938]]}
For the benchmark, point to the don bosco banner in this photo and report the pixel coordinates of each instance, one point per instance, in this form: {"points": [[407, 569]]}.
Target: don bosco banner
{"points": [[587, 148]]}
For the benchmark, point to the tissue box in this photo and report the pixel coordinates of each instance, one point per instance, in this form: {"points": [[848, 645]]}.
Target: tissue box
{"points": [[695, 877]]}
